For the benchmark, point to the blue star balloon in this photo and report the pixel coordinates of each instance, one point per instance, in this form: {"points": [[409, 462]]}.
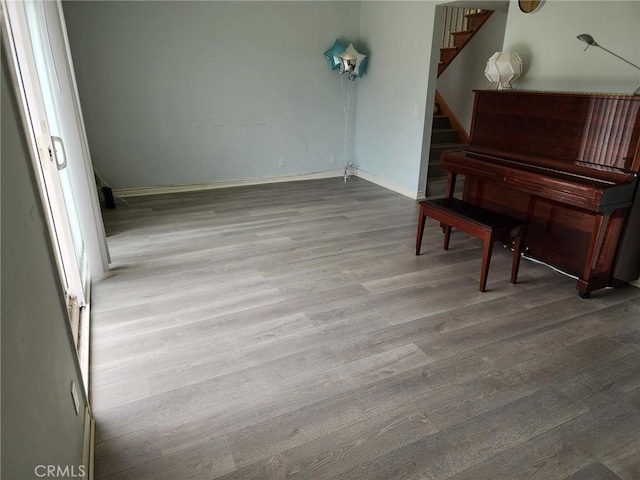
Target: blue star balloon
{"points": [[332, 54]]}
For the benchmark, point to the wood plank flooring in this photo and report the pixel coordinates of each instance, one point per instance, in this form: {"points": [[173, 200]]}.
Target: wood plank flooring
{"points": [[289, 331]]}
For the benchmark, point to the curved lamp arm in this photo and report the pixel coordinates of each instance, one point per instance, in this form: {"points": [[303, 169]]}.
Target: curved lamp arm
{"points": [[590, 41]]}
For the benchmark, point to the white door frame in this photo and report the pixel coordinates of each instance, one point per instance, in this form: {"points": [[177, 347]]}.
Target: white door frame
{"points": [[42, 152], [27, 88], [84, 184]]}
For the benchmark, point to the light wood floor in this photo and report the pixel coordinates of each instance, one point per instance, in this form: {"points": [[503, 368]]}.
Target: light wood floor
{"points": [[289, 331]]}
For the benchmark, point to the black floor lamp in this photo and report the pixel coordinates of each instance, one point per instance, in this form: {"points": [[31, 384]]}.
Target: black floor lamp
{"points": [[589, 40]]}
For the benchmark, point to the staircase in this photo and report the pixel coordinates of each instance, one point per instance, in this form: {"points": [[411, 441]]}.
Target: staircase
{"points": [[447, 134], [444, 138], [460, 26]]}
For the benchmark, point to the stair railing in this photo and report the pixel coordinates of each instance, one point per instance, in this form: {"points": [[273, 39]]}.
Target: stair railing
{"points": [[461, 24], [454, 21]]}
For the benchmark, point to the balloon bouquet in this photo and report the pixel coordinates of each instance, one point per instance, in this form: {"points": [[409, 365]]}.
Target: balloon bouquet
{"points": [[347, 59], [352, 64]]}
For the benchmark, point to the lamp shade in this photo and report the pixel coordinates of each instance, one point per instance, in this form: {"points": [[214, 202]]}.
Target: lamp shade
{"points": [[502, 68]]}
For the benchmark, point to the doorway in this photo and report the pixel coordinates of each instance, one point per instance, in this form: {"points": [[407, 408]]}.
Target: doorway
{"points": [[41, 64]]}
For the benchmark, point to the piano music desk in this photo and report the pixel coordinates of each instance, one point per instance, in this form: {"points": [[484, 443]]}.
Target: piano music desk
{"points": [[476, 221]]}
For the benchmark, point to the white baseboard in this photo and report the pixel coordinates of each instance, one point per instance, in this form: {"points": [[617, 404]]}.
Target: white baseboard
{"points": [[88, 444], [386, 184], [192, 187]]}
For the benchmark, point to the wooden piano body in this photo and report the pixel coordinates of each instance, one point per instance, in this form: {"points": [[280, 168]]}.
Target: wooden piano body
{"points": [[566, 164]]}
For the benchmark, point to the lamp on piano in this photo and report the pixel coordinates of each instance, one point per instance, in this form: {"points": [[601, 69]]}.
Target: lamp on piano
{"points": [[502, 68], [590, 41]]}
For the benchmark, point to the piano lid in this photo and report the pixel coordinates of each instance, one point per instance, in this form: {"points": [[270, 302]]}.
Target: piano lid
{"points": [[573, 131]]}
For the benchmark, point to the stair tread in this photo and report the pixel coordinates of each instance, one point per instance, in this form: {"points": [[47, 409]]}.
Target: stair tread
{"points": [[443, 179], [437, 150], [461, 37], [437, 187], [478, 14], [442, 145]]}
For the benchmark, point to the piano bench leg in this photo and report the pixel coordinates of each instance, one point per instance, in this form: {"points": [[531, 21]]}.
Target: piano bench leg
{"points": [[476, 221], [447, 236], [486, 260], [421, 220]]}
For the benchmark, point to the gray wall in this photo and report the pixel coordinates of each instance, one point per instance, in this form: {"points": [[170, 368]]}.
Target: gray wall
{"points": [[183, 92], [554, 59], [39, 424], [389, 129], [189, 92]]}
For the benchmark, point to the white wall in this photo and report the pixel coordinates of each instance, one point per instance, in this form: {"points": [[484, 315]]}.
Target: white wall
{"points": [[554, 59], [191, 92], [389, 131], [39, 424], [466, 71]]}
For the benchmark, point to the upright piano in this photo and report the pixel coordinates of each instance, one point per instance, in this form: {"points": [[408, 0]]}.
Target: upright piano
{"points": [[566, 164]]}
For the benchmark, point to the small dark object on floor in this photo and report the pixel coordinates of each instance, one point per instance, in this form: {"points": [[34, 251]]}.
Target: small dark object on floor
{"points": [[109, 201]]}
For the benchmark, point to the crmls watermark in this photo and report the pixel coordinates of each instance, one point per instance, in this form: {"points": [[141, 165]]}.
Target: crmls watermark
{"points": [[59, 471]]}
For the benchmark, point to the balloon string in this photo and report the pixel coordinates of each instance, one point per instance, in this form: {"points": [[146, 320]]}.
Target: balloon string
{"points": [[346, 95]]}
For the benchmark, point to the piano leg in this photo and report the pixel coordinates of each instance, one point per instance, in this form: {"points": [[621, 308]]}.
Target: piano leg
{"points": [[595, 245], [586, 283], [517, 252], [602, 252]]}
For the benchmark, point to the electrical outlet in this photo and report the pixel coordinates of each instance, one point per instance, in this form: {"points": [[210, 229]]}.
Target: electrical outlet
{"points": [[281, 162], [74, 396], [332, 159]]}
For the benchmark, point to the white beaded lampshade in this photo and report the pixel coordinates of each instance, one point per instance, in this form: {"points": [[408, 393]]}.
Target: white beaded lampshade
{"points": [[503, 68]]}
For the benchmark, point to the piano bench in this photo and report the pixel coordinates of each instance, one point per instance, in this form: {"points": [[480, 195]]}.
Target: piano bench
{"points": [[477, 221]]}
